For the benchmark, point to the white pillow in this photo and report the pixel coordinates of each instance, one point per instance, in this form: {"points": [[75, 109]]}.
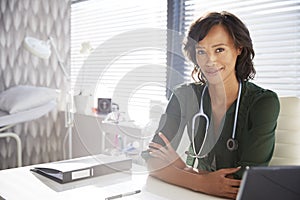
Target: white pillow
{"points": [[25, 97]]}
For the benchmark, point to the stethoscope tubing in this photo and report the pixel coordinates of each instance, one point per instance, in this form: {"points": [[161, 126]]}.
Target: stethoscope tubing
{"points": [[199, 114], [232, 144]]}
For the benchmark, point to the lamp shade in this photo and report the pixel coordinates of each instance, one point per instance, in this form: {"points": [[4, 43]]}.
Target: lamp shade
{"points": [[38, 47]]}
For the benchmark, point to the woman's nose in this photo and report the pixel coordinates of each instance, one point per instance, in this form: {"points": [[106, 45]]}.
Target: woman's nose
{"points": [[211, 60], [208, 59]]}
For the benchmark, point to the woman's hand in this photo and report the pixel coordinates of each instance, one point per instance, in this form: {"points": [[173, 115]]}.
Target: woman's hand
{"points": [[217, 183], [166, 153]]}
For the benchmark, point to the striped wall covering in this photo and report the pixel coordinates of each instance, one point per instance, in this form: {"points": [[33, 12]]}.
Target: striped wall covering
{"points": [[42, 139]]}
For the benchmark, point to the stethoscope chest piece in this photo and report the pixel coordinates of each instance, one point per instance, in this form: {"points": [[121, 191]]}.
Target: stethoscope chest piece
{"points": [[232, 144]]}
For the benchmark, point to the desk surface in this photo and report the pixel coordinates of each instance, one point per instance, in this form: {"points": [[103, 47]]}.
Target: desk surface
{"points": [[20, 183]]}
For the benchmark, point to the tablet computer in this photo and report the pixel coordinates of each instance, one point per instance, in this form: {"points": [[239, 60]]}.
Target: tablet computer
{"points": [[272, 182]]}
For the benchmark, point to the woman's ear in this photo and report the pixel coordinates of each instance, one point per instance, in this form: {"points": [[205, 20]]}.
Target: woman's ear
{"points": [[240, 49]]}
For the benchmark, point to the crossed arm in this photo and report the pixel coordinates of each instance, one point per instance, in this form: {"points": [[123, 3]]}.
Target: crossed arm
{"points": [[166, 165]]}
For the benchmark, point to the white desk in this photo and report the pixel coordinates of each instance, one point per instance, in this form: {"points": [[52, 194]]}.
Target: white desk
{"points": [[20, 183]]}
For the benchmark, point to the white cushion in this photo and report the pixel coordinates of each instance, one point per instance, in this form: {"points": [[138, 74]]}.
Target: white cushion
{"points": [[25, 97], [287, 146]]}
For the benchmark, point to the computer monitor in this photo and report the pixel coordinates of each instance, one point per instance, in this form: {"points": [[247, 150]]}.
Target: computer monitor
{"points": [[273, 182]]}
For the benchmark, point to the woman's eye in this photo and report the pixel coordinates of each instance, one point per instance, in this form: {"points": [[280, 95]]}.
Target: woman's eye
{"points": [[219, 50], [201, 52]]}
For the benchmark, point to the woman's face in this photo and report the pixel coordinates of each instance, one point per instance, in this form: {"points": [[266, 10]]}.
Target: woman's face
{"points": [[216, 55]]}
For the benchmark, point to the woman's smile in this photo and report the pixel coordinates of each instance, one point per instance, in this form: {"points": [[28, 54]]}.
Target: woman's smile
{"points": [[213, 71]]}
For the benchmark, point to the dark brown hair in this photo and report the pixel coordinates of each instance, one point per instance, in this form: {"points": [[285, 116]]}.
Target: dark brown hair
{"points": [[237, 30]]}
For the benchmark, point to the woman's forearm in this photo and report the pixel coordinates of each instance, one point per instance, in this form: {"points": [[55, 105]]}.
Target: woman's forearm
{"points": [[174, 175], [215, 183], [166, 165]]}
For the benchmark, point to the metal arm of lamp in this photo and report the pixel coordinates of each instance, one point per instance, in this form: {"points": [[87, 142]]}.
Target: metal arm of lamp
{"points": [[42, 49]]}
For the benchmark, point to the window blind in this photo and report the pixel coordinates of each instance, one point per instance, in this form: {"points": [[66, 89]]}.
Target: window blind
{"points": [[126, 41], [274, 26]]}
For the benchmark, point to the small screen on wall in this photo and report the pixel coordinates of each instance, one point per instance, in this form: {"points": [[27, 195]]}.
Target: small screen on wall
{"points": [[104, 105]]}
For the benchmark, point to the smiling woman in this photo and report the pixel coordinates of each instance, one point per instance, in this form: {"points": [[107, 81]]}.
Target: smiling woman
{"points": [[274, 27], [216, 54], [235, 124]]}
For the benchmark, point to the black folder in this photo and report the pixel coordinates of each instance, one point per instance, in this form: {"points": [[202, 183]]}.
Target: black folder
{"points": [[82, 168]]}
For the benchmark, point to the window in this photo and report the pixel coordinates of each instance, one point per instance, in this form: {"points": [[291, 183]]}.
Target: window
{"points": [[126, 57], [274, 27], [129, 52]]}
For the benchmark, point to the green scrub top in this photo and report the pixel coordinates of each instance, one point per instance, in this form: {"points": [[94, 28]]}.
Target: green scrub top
{"points": [[255, 131]]}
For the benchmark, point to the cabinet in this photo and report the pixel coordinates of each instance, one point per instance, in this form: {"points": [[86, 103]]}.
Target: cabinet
{"points": [[92, 136]]}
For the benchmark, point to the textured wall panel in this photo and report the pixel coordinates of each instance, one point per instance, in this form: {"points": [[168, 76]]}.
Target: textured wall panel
{"points": [[42, 139]]}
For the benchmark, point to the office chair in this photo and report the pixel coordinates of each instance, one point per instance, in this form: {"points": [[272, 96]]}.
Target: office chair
{"points": [[287, 143]]}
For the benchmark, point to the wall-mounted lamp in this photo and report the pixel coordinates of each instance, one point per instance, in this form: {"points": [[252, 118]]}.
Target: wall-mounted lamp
{"points": [[42, 49]]}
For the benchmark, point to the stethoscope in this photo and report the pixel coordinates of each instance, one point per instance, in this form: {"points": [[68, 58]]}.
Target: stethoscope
{"points": [[232, 143]]}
